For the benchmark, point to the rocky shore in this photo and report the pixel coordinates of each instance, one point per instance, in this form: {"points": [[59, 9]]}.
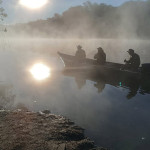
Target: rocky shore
{"points": [[24, 130]]}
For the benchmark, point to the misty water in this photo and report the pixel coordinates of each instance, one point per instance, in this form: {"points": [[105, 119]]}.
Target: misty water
{"points": [[114, 114]]}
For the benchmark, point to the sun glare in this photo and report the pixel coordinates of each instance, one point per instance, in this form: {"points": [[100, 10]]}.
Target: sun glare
{"points": [[33, 4], [40, 71]]}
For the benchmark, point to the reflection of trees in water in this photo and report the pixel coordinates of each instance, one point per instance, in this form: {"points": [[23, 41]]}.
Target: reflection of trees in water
{"points": [[135, 84], [6, 96]]}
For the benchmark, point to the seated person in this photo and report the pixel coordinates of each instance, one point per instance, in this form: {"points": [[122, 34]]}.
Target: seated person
{"points": [[134, 62], [100, 56], [80, 54]]}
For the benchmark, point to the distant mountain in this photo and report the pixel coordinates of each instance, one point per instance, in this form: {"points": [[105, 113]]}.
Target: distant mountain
{"points": [[92, 20]]}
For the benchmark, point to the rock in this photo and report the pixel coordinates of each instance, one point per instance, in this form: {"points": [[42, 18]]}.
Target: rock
{"points": [[46, 111], [72, 134], [20, 130], [62, 147], [85, 144]]}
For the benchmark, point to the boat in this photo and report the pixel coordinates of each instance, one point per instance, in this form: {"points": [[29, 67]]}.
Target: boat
{"points": [[110, 73], [90, 65], [70, 61]]}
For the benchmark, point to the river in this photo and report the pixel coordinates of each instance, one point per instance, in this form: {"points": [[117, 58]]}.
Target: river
{"points": [[114, 112]]}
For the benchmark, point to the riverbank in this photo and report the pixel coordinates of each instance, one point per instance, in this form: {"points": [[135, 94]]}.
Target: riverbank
{"points": [[24, 130]]}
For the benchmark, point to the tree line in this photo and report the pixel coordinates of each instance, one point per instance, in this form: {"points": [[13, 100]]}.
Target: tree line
{"points": [[92, 20]]}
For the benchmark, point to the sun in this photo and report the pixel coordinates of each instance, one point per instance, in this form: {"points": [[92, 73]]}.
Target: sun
{"points": [[40, 71], [33, 4]]}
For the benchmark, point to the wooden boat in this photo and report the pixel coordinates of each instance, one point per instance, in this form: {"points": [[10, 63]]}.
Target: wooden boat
{"points": [[90, 65], [110, 73], [71, 61]]}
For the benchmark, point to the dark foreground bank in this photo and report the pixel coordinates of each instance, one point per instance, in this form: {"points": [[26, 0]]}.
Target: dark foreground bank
{"points": [[24, 130]]}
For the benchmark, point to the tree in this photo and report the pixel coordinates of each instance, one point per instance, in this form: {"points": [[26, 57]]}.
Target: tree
{"points": [[2, 12]]}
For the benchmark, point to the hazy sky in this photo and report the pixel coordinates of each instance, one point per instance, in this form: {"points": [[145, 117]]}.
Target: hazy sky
{"points": [[17, 13]]}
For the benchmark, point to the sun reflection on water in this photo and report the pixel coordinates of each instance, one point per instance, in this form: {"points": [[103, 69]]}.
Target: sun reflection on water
{"points": [[40, 71]]}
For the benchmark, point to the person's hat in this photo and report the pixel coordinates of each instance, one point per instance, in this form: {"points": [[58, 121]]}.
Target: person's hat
{"points": [[130, 51], [79, 46], [100, 49]]}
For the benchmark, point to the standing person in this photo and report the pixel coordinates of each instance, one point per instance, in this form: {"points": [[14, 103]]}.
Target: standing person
{"points": [[100, 56], [134, 62]]}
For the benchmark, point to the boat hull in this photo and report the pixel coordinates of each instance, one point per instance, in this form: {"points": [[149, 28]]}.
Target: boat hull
{"points": [[91, 66]]}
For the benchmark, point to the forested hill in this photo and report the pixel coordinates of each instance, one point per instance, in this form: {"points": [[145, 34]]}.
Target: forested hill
{"points": [[92, 20]]}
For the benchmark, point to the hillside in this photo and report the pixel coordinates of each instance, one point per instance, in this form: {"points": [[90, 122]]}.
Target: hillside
{"points": [[92, 20]]}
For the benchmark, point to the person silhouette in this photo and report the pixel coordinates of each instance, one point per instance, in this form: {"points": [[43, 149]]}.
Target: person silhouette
{"points": [[100, 56], [134, 62]]}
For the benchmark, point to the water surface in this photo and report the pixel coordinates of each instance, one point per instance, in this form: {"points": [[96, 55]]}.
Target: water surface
{"points": [[114, 111]]}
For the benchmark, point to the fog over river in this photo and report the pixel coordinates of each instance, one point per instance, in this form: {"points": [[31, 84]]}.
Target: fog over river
{"points": [[114, 114]]}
